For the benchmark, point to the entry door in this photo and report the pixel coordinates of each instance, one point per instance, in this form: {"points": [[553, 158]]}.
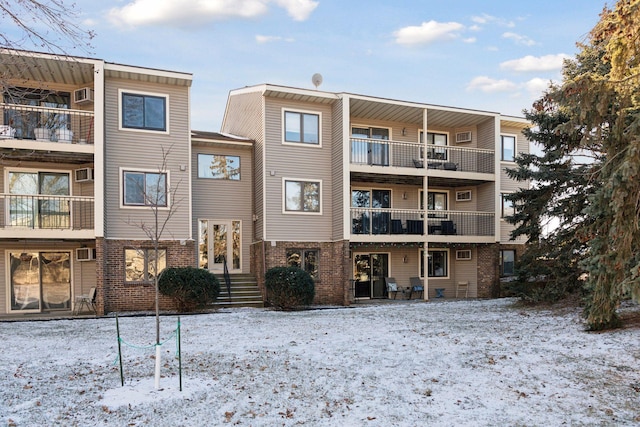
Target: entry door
{"points": [[369, 272], [220, 241], [40, 281]]}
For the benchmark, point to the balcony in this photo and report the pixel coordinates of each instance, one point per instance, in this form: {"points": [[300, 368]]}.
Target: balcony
{"points": [[371, 224], [36, 216], [46, 125], [386, 153]]}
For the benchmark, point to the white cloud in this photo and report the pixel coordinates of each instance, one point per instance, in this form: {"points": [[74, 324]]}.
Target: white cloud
{"points": [[519, 39], [489, 85], [489, 19], [470, 40], [537, 86], [181, 13], [428, 32], [268, 39], [533, 63], [299, 10]]}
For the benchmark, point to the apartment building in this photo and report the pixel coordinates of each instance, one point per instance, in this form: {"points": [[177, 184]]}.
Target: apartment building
{"points": [[92, 154], [356, 189], [103, 176]]}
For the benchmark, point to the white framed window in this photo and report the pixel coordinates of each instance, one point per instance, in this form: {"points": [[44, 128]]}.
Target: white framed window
{"points": [[463, 254], [437, 263], [435, 140], [143, 111], [463, 196], [369, 146], [219, 166], [436, 201], [302, 196], [302, 127], [37, 198], [508, 147], [142, 188]]}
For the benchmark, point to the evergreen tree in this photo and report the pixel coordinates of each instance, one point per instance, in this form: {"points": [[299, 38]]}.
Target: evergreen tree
{"points": [[551, 265], [595, 112]]}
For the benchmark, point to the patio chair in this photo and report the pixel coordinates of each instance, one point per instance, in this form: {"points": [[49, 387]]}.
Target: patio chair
{"points": [[89, 300], [462, 287], [392, 286], [416, 286]]}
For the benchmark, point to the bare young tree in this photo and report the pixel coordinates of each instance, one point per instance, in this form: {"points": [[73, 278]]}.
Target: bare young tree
{"points": [[49, 25], [163, 202]]}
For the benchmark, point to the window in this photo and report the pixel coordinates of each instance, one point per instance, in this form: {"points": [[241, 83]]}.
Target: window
{"points": [[28, 209], [507, 206], [306, 259], [463, 196], [36, 123], [436, 139], [302, 196], [219, 167], [436, 201], [301, 128], [370, 152], [438, 265], [364, 220], [508, 148], [140, 264], [145, 188], [463, 254], [147, 112], [507, 263]]}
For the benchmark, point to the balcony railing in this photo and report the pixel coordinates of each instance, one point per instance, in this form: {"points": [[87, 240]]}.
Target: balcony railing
{"points": [[46, 124], [414, 155], [376, 221], [47, 212]]}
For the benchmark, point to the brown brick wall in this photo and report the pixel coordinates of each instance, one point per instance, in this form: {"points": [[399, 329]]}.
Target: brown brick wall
{"points": [[114, 295], [488, 283], [489, 268], [332, 284]]}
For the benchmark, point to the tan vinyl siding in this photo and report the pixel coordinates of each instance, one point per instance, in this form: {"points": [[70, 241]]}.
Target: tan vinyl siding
{"points": [[302, 162], [487, 135], [465, 271], [225, 199], [143, 151], [245, 118], [486, 197], [337, 168]]}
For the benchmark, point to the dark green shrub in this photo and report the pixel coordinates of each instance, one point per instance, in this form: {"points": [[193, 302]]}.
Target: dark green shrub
{"points": [[289, 287], [191, 288]]}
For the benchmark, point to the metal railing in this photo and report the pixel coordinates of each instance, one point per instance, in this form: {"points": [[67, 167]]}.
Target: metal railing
{"points": [[376, 221], [46, 124], [378, 152], [47, 212]]}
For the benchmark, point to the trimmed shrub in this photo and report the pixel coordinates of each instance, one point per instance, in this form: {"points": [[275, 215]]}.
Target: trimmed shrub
{"points": [[190, 288], [289, 288]]}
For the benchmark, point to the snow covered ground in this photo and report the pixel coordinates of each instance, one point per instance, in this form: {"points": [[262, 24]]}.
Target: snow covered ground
{"points": [[473, 363]]}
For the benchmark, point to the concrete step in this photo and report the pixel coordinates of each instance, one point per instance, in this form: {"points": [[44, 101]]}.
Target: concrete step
{"points": [[244, 292]]}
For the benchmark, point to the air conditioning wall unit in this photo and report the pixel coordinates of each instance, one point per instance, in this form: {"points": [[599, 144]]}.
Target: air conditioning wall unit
{"points": [[463, 136], [84, 174], [85, 254], [84, 94]]}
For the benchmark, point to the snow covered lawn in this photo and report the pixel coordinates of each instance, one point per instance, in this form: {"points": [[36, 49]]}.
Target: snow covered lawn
{"points": [[475, 363]]}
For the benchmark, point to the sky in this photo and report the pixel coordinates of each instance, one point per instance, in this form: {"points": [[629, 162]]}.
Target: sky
{"points": [[489, 55]]}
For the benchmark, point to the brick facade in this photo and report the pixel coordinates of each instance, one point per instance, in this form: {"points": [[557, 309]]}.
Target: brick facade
{"points": [[489, 268], [332, 284], [113, 294]]}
